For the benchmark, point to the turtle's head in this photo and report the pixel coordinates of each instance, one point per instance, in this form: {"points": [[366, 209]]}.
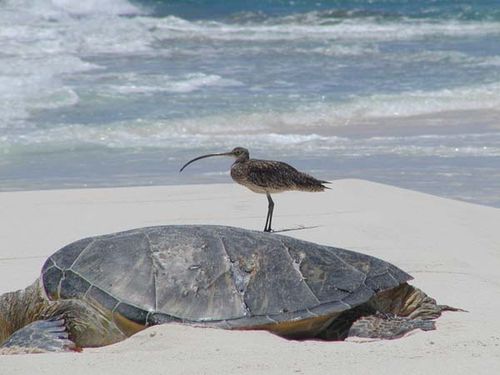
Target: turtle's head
{"points": [[240, 153]]}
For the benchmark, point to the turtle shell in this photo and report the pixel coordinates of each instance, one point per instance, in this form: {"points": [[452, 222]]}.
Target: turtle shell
{"points": [[214, 275]]}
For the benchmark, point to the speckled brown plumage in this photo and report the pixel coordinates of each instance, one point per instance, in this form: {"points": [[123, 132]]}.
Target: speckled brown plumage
{"points": [[271, 176], [266, 177]]}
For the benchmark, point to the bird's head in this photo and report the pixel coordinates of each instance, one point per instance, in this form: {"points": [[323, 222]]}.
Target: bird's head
{"points": [[240, 153]]}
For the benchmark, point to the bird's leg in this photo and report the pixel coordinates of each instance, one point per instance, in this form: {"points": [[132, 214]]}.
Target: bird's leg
{"points": [[270, 209]]}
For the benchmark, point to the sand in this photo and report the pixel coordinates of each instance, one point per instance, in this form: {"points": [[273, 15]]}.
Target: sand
{"points": [[452, 249]]}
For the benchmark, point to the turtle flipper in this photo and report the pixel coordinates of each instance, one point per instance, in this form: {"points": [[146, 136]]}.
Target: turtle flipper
{"points": [[38, 337], [387, 326], [388, 315], [397, 312]]}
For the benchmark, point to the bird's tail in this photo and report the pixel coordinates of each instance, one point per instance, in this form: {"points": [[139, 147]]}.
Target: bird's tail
{"points": [[313, 185], [323, 186]]}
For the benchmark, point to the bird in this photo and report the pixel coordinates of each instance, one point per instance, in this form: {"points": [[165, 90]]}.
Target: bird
{"points": [[266, 177]]}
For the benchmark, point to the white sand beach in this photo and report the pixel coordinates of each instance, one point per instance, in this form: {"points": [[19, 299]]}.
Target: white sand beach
{"points": [[451, 248]]}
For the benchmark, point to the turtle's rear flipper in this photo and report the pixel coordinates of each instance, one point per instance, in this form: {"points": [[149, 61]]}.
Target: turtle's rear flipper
{"points": [[386, 326], [38, 337]]}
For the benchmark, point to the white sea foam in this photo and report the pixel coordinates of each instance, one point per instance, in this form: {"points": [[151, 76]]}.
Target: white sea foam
{"points": [[87, 7], [447, 57], [42, 43], [424, 102], [165, 134], [405, 104], [348, 30], [274, 128], [132, 83], [45, 42], [19, 96]]}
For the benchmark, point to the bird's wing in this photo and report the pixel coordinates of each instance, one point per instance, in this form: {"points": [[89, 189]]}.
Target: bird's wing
{"points": [[271, 173]]}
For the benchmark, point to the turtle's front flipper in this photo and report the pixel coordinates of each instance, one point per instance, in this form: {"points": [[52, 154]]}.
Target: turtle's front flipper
{"points": [[387, 326], [38, 337]]}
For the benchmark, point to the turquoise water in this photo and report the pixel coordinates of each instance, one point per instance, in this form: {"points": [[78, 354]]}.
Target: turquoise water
{"points": [[121, 93]]}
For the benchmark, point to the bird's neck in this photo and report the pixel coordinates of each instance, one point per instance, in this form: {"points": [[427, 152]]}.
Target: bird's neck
{"points": [[20, 308], [241, 159]]}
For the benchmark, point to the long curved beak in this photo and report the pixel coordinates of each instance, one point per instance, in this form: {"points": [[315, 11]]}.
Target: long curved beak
{"points": [[204, 156]]}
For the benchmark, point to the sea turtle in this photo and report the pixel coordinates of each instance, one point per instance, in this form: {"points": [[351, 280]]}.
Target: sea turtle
{"points": [[100, 290]]}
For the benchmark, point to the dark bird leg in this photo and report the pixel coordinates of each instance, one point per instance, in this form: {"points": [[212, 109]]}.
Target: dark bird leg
{"points": [[270, 209]]}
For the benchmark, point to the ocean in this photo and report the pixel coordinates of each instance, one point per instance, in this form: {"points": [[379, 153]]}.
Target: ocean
{"points": [[123, 93]]}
